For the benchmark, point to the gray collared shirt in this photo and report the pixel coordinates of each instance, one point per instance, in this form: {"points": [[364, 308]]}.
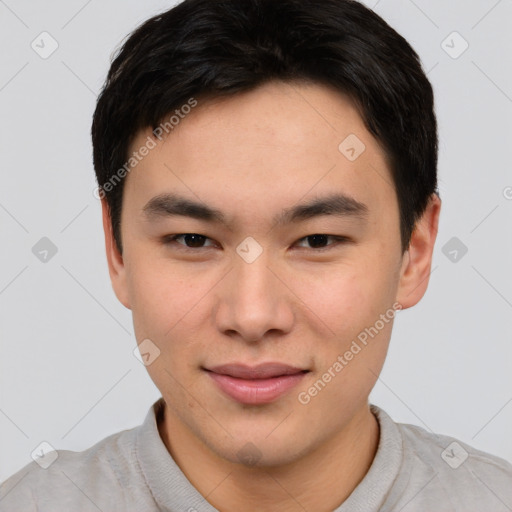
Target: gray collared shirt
{"points": [[132, 471]]}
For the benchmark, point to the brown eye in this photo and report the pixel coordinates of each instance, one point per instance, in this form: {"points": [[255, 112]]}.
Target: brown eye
{"points": [[188, 240], [320, 241]]}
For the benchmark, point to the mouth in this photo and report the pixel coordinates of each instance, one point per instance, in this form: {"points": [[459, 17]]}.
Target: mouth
{"points": [[254, 385]]}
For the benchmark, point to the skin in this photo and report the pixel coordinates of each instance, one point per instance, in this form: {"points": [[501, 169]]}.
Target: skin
{"points": [[251, 156]]}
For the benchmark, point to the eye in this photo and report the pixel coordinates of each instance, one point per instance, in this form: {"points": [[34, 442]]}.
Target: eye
{"points": [[321, 239], [191, 240]]}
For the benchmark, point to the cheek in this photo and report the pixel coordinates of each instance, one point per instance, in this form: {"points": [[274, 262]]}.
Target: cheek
{"points": [[348, 297], [149, 297], [165, 311], [351, 303], [170, 307], [350, 360], [160, 294]]}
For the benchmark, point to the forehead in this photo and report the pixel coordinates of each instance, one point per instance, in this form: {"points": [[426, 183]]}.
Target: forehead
{"points": [[277, 143]]}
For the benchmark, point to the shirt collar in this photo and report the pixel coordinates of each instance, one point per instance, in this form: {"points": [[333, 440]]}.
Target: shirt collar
{"points": [[172, 491], [373, 490]]}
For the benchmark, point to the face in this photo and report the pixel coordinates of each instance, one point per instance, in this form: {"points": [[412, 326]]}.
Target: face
{"points": [[290, 256]]}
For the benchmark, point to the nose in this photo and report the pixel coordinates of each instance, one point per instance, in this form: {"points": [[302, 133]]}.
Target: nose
{"points": [[254, 302]]}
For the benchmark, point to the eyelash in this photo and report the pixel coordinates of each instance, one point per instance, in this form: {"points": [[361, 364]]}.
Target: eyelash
{"points": [[172, 240]]}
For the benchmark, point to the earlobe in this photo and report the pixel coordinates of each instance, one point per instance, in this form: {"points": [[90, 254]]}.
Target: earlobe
{"points": [[116, 267], [417, 261]]}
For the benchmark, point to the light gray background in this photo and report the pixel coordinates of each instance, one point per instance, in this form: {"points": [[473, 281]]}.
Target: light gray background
{"points": [[67, 372]]}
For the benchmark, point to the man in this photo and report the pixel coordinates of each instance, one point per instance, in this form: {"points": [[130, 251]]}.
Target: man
{"points": [[267, 173]]}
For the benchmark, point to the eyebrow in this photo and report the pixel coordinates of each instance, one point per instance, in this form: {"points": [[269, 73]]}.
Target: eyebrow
{"points": [[340, 205]]}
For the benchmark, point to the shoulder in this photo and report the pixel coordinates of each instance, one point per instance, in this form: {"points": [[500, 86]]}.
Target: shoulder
{"points": [[449, 454], [463, 475], [69, 480]]}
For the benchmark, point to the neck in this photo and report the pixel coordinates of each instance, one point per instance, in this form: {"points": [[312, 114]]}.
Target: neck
{"points": [[321, 480]]}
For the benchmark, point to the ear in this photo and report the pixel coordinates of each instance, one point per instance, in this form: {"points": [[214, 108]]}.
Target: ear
{"points": [[116, 267], [417, 260]]}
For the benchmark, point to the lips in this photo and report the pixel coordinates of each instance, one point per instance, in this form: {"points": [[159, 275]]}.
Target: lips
{"points": [[262, 371], [257, 384]]}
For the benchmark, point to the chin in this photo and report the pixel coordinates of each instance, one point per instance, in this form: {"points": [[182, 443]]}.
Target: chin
{"points": [[259, 451], [253, 455]]}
